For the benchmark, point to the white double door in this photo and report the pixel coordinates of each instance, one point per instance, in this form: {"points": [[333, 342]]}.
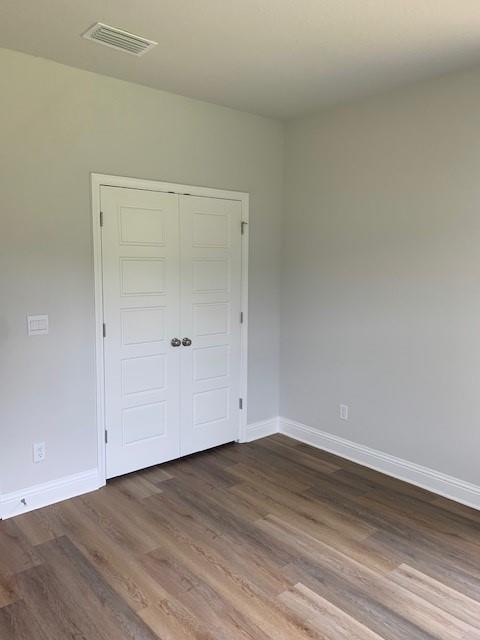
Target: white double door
{"points": [[172, 293]]}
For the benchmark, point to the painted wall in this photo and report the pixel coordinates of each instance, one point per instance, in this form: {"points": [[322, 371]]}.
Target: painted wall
{"points": [[380, 271], [57, 125], [381, 274]]}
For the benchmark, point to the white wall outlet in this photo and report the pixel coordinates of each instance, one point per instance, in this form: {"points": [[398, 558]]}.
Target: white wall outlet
{"points": [[39, 452], [344, 412], [37, 325]]}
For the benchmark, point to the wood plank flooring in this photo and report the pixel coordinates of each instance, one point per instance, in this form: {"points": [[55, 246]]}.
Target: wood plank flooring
{"points": [[271, 540]]}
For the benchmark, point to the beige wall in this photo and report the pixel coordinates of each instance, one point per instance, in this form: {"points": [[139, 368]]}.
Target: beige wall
{"points": [[381, 274], [58, 124]]}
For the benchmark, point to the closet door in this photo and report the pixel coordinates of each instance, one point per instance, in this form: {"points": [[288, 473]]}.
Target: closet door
{"points": [[210, 295], [140, 246]]}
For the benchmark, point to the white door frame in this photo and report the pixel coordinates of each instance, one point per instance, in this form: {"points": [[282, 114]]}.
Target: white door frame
{"points": [[97, 181]]}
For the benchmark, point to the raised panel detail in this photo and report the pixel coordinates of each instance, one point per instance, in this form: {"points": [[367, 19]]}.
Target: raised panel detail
{"points": [[210, 274], [210, 406], [211, 319], [143, 374], [142, 226], [146, 421], [210, 230], [142, 276], [143, 325], [211, 362]]}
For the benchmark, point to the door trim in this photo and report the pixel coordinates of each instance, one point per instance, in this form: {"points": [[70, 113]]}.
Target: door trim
{"points": [[99, 180]]}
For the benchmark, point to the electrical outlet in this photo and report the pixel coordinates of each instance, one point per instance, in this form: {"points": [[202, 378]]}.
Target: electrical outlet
{"points": [[39, 452], [344, 412]]}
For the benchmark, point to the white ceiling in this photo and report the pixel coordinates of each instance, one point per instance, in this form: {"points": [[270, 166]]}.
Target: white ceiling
{"points": [[279, 58]]}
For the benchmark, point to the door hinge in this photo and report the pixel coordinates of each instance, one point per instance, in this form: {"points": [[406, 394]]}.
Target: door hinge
{"points": [[101, 218], [106, 436], [241, 317], [240, 403], [242, 226], [104, 330]]}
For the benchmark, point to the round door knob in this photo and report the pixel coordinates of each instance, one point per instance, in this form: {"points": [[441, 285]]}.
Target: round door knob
{"points": [[186, 342], [175, 342]]}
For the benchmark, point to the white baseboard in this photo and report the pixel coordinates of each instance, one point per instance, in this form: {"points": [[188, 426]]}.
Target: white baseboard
{"points": [[434, 481], [453, 488], [261, 429], [47, 493]]}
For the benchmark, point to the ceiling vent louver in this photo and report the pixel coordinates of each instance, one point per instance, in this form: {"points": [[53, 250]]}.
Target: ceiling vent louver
{"points": [[119, 39]]}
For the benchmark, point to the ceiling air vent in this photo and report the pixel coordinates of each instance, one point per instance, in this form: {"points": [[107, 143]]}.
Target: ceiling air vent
{"points": [[119, 39]]}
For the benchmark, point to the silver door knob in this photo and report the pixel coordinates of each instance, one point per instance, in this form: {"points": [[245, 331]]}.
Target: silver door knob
{"points": [[175, 342], [186, 342]]}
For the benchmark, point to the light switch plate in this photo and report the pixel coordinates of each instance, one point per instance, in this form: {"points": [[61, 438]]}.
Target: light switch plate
{"points": [[37, 325]]}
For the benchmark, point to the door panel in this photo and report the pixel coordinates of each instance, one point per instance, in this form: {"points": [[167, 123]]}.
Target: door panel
{"points": [[210, 240], [171, 268], [140, 245]]}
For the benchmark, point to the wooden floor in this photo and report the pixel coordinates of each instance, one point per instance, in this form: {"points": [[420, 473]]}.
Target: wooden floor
{"points": [[268, 540]]}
